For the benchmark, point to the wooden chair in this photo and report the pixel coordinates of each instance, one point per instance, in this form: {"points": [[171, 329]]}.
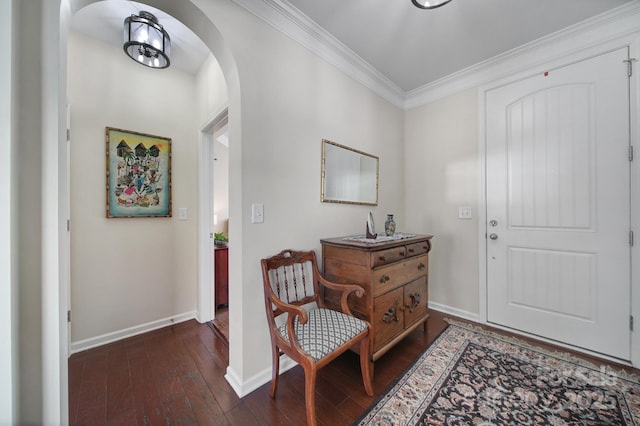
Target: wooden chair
{"points": [[302, 327]]}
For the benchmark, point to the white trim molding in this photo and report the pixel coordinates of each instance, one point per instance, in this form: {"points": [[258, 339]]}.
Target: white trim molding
{"points": [[206, 266], [469, 316], [245, 387], [614, 24], [289, 20], [114, 336], [634, 135]]}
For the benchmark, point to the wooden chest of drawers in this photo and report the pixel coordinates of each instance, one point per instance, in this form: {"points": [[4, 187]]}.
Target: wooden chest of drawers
{"points": [[394, 276]]}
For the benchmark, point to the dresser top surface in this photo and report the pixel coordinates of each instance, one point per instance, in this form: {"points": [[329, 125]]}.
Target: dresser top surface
{"points": [[361, 242]]}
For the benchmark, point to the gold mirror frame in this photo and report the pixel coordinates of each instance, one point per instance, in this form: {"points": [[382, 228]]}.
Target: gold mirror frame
{"points": [[348, 175]]}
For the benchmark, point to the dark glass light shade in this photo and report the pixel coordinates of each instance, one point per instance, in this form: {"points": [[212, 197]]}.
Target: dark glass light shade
{"points": [[146, 41], [429, 4]]}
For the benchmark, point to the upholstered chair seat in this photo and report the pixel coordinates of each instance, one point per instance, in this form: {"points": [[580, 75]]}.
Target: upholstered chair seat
{"points": [[325, 331]]}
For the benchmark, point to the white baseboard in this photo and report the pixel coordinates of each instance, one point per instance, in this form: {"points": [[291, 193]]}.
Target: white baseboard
{"points": [[243, 389], [470, 316], [476, 318], [93, 342]]}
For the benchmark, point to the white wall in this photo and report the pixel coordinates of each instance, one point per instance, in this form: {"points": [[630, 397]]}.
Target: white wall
{"points": [[8, 339], [211, 91], [128, 272], [290, 101], [441, 174]]}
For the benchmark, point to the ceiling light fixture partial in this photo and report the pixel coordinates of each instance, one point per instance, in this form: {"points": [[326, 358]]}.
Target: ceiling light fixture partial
{"points": [[429, 4], [146, 41]]}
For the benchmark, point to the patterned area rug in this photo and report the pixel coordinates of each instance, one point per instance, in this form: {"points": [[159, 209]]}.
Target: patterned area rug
{"points": [[471, 376]]}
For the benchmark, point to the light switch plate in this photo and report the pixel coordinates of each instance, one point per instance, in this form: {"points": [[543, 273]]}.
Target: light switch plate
{"points": [[257, 213], [182, 213], [464, 213]]}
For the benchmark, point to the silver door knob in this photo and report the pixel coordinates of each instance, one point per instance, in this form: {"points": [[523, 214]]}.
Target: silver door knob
{"points": [[493, 236]]}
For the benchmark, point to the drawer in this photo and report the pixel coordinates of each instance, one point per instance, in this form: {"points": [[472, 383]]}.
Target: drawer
{"points": [[383, 257], [416, 249], [416, 299], [388, 318], [393, 276]]}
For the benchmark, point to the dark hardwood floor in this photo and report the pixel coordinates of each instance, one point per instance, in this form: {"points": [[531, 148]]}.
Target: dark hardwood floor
{"points": [[175, 375], [220, 323]]}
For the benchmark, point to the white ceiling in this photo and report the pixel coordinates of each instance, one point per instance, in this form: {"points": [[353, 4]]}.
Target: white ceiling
{"points": [[413, 47], [409, 46]]}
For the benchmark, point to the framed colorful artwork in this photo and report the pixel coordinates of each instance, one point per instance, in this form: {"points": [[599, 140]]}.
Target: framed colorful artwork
{"points": [[138, 174]]}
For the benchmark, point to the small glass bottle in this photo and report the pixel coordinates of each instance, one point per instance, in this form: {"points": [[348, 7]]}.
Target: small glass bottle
{"points": [[389, 226]]}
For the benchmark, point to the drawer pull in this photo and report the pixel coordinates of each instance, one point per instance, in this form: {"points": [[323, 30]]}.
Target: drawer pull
{"points": [[381, 258], [401, 254], [411, 251], [415, 301], [421, 266], [384, 279], [392, 314]]}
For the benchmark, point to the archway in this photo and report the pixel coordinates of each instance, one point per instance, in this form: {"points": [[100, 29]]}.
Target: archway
{"points": [[199, 23]]}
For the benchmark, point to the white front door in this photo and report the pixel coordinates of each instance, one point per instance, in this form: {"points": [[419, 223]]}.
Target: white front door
{"points": [[558, 205]]}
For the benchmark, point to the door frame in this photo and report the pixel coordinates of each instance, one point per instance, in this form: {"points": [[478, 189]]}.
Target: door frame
{"points": [[206, 265], [633, 44]]}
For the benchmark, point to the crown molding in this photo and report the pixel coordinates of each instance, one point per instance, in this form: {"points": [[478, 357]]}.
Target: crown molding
{"points": [[283, 16], [614, 24]]}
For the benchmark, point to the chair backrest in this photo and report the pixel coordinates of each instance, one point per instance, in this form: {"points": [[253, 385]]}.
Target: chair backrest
{"points": [[291, 276]]}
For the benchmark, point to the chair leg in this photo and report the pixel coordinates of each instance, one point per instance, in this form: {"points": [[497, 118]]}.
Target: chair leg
{"points": [[275, 370], [366, 366], [310, 394]]}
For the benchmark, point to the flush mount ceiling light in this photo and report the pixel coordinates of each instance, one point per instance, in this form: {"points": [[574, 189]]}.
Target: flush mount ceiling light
{"points": [[429, 4], [146, 41]]}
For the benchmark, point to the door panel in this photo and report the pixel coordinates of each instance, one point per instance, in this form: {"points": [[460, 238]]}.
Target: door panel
{"points": [[548, 162], [558, 205], [553, 281]]}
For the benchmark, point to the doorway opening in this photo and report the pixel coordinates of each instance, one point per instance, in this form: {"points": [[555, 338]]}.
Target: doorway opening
{"points": [[218, 215]]}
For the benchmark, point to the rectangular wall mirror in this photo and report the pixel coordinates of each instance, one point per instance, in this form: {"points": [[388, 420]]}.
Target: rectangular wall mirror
{"points": [[348, 176]]}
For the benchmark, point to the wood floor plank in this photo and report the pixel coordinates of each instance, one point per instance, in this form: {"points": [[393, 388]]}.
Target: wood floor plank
{"points": [[92, 396], [76, 369], [241, 415], [266, 409], [119, 392]]}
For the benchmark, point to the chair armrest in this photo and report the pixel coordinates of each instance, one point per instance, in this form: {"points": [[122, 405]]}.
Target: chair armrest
{"points": [[292, 312], [346, 290]]}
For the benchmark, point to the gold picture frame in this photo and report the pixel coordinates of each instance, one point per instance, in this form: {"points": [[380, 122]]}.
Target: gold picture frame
{"points": [[348, 176], [138, 174]]}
